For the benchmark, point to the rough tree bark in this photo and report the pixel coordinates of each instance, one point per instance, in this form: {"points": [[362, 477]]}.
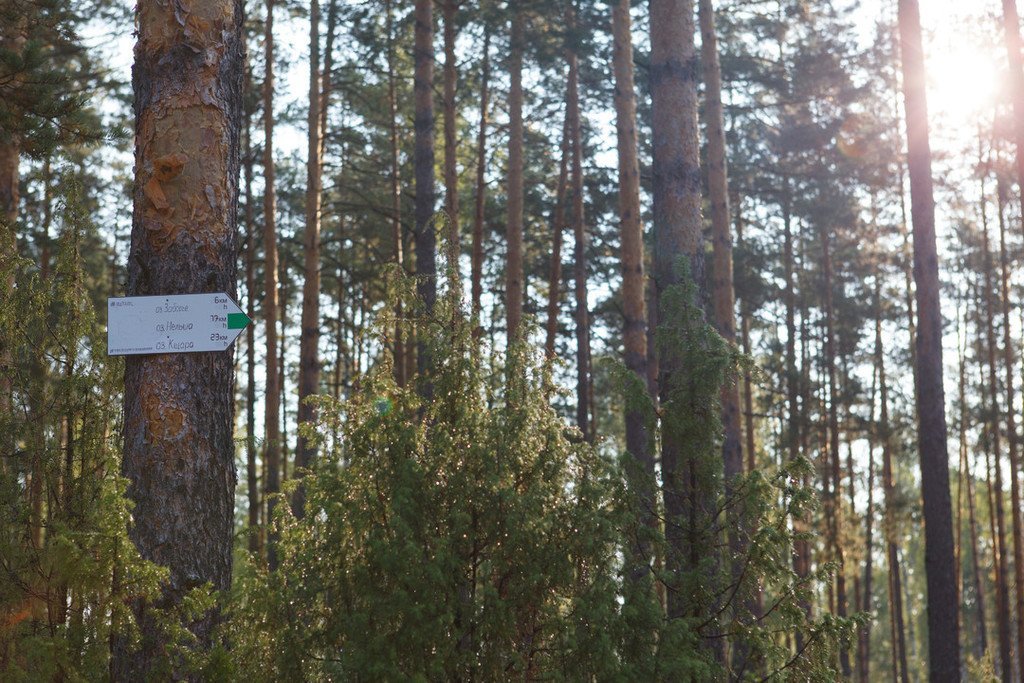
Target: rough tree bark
{"points": [[943, 613], [178, 447], [272, 392], [514, 228], [309, 339]]}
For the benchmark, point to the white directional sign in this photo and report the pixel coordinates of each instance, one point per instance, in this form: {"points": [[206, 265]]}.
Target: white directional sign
{"points": [[176, 323]]}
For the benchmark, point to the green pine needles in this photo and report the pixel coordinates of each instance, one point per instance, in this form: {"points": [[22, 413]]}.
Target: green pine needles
{"points": [[477, 537], [67, 566]]}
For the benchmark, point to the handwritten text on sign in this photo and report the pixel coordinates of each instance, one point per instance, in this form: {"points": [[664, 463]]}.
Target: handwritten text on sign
{"points": [[176, 323]]}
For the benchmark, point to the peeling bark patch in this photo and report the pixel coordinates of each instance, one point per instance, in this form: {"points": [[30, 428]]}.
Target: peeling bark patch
{"points": [[196, 24], [169, 167], [163, 418], [187, 143]]}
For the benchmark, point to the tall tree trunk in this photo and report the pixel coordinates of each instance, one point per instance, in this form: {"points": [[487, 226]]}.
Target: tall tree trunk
{"points": [[583, 380], [1011, 35], [1011, 422], [477, 266], [943, 613], [178, 447], [677, 234], [631, 232], [801, 546], [282, 355], [309, 340], [340, 359], [10, 160], [994, 500], [864, 635], [833, 494], [272, 394], [749, 432], [423, 174], [514, 228], [326, 83], [1002, 584], [897, 638], [557, 233], [451, 172], [722, 296], [47, 219], [250, 334], [966, 477], [397, 239], [634, 334], [757, 603]]}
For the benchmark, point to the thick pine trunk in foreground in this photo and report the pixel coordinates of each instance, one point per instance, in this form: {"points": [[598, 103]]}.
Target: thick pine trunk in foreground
{"points": [[178, 448], [514, 228], [943, 610], [634, 332], [309, 341]]}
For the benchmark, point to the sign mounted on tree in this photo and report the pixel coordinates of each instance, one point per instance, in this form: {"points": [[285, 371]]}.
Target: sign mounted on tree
{"points": [[175, 323]]}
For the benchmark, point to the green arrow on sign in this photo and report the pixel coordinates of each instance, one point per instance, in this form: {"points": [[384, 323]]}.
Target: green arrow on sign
{"points": [[238, 321]]}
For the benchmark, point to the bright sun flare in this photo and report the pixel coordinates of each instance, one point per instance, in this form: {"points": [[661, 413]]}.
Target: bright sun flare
{"points": [[962, 84]]}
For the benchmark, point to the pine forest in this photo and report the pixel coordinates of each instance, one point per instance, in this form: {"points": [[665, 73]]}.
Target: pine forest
{"points": [[511, 340]]}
